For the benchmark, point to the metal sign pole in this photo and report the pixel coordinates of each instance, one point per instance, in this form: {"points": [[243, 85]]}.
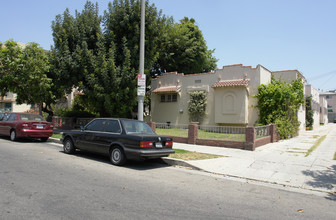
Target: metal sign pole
{"points": [[142, 76]]}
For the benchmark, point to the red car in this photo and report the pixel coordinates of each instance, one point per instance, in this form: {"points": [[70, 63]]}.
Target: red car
{"points": [[18, 125]]}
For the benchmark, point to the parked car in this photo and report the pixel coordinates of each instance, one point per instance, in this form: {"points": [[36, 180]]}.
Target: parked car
{"points": [[120, 139], [18, 125], [2, 115]]}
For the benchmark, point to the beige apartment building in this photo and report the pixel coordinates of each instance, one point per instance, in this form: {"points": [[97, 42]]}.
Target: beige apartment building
{"points": [[330, 97], [230, 95], [319, 106]]}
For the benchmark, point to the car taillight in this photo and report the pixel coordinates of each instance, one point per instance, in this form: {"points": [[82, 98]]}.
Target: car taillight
{"points": [[144, 144], [169, 144]]}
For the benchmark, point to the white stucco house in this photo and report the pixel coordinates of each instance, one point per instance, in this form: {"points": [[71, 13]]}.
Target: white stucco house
{"points": [[230, 95]]}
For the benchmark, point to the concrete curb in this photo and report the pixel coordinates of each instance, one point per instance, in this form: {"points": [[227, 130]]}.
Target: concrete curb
{"points": [[54, 140], [178, 162]]}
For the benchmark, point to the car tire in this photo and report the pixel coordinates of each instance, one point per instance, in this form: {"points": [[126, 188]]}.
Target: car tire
{"points": [[44, 139], [117, 156], [68, 146], [13, 135]]}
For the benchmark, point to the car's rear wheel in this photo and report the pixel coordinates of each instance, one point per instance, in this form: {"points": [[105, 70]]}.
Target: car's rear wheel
{"points": [[68, 146], [117, 156], [44, 139], [13, 135]]}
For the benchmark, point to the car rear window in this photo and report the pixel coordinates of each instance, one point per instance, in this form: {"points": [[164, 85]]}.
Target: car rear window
{"points": [[31, 117], [137, 127]]}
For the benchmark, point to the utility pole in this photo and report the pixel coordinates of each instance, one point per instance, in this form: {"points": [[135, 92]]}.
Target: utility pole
{"points": [[141, 75]]}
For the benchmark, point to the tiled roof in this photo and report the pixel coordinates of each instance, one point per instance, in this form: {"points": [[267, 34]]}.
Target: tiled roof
{"points": [[167, 89], [230, 83]]}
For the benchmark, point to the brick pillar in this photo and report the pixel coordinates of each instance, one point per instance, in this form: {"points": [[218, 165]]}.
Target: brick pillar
{"points": [[250, 137], [152, 125], [192, 133], [273, 133]]}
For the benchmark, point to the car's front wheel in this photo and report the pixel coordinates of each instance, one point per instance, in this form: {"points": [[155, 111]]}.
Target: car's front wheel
{"points": [[117, 156], [68, 146], [13, 135]]}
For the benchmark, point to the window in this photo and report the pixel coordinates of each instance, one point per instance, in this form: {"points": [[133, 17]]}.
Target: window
{"points": [[163, 98], [30, 117], [328, 97], [12, 117], [169, 98], [198, 81], [174, 98], [113, 126], [329, 106], [137, 127], [8, 107], [229, 103], [96, 125]]}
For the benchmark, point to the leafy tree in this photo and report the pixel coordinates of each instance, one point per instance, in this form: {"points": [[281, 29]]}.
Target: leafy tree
{"points": [[100, 55], [122, 21], [278, 103], [24, 71], [186, 50], [85, 61], [197, 105]]}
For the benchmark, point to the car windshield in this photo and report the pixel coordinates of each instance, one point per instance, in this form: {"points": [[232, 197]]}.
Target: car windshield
{"points": [[31, 117], [137, 127]]}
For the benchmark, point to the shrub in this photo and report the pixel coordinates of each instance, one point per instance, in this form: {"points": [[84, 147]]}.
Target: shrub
{"points": [[197, 105], [279, 103]]}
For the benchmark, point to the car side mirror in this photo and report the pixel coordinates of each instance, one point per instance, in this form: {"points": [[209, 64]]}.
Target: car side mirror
{"points": [[82, 128]]}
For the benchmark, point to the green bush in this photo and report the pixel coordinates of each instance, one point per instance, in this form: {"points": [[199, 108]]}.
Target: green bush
{"points": [[64, 112], [197, 105], [279, 103], [309, 113]]}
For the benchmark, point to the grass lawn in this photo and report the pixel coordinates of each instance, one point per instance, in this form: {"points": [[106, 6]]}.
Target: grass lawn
{"points": [[188, 155], [178, 132], [58, 136], [317, 143]]}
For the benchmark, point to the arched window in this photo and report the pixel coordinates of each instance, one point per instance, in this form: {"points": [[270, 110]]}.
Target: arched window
{"points": [[228, 103]]}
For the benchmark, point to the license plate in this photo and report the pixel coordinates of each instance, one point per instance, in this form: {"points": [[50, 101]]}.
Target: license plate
{"points": [[158, 145], [39, 126]]}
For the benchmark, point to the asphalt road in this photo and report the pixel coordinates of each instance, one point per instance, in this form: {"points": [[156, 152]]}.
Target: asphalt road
{"points": [[39, 181]]}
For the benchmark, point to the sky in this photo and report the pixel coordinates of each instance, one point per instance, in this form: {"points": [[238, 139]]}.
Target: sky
{"points": [[278, 34]]}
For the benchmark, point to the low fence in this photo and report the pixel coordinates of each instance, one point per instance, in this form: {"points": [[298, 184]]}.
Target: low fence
{"points": [[222, 136]]}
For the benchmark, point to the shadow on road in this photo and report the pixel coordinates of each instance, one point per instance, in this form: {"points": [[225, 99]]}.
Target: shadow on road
{"points": [[23, 140], [325, 179], [136, 165]]}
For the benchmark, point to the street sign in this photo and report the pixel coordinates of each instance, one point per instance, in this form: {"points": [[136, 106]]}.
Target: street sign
{"points": [[141, 84]]}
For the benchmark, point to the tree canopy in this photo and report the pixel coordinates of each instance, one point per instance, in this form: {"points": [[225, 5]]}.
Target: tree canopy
{"points": [[24, 71], [185, 49], [99, 55]]}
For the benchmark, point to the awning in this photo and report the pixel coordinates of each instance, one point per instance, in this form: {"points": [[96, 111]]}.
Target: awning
{"points": [[231, 83], [167, 89]]}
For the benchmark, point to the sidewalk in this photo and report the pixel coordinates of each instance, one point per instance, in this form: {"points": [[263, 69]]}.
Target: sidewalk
{"points": [[282, 163]]}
